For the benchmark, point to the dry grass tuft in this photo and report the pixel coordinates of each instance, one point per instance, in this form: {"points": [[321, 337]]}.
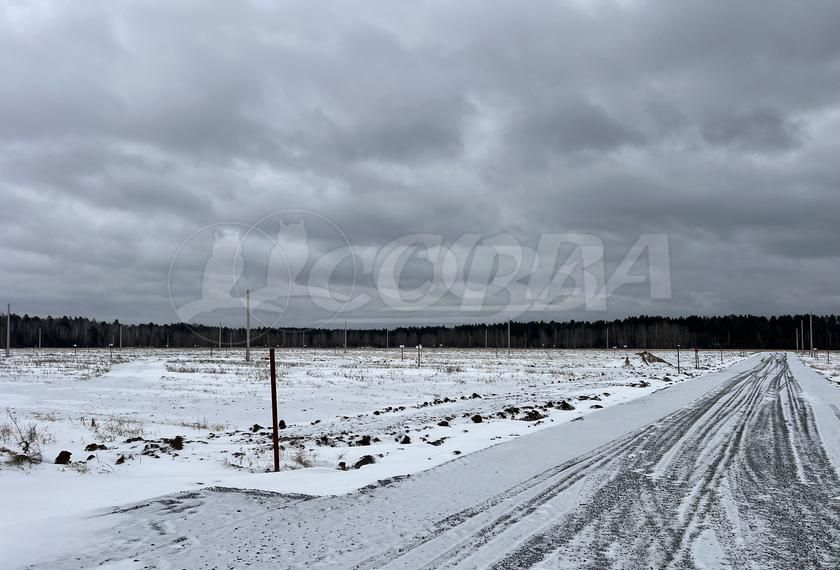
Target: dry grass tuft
{"points": [[27, 440]]}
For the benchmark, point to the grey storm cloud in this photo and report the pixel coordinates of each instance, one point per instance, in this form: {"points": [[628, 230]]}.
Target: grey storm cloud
{"points": [[127, 127]]}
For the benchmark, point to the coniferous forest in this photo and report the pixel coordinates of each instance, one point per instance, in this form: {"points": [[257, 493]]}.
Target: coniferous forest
{"points": [[731, 331]]}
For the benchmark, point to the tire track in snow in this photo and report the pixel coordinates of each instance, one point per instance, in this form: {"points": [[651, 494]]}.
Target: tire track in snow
{"points": [[648, 497], [512, 513]]}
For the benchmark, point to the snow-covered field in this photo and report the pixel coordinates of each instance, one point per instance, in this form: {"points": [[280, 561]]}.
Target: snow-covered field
{"points": [[143, 423], [827, 364]]}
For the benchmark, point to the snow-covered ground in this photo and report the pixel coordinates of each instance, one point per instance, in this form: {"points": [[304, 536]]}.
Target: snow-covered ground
{"points": [[144, 423], [826, 363]]}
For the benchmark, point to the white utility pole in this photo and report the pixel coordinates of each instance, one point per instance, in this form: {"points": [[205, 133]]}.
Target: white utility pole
{"points": [[8, 330], [802, 335], [247, 325]]}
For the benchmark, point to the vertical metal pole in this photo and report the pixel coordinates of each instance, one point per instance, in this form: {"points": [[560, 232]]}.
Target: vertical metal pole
{"points": [[8, 329], [678, 359], [247, 325], [275, 436], [811, 333]]}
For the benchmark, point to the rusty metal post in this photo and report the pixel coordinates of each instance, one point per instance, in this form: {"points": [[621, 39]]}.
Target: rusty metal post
{"points": [[275, 435]]}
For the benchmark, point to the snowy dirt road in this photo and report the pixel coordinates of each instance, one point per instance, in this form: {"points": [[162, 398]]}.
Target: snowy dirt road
{"points": [[739, 477]]}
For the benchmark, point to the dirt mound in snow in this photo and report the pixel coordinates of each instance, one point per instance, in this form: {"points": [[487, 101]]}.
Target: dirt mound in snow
{"points": [[649, 358], [63, 458], [365, 460]]}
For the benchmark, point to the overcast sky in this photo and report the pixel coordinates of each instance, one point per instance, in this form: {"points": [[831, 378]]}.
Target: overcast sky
{"points": [[128, 127]]}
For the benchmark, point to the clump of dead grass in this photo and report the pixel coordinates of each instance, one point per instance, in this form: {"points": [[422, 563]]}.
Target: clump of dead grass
{"points": [[26, 441]]}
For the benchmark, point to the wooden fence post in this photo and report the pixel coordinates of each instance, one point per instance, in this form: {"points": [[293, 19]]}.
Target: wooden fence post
{"points": [[274, 428]]}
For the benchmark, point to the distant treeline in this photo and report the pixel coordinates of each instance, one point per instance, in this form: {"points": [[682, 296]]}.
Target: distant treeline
{"points": [[732, 331]]}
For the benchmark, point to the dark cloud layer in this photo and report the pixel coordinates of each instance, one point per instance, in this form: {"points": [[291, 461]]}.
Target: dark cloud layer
{"points": [[127, 126]]}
